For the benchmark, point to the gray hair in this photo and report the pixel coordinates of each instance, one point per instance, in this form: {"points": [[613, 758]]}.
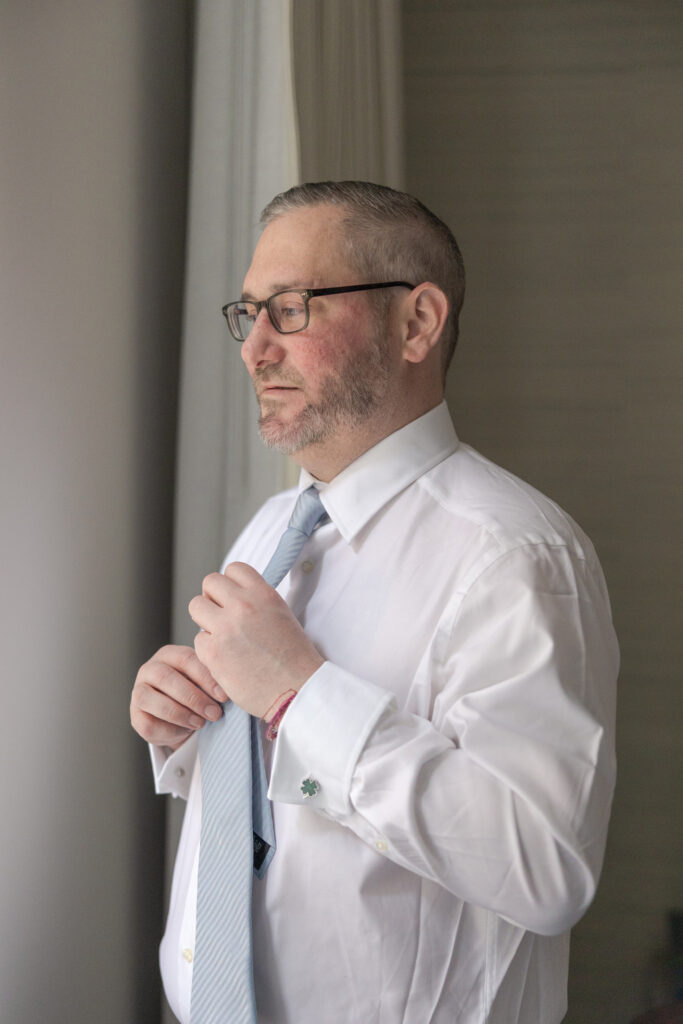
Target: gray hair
{"points": [[390, 234]]}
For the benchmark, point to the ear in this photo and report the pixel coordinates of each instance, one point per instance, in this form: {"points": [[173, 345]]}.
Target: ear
{"points": [[425, 315]]}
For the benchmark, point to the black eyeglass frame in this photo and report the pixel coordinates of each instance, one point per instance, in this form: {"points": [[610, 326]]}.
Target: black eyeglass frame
{"points": [[306, 294]]}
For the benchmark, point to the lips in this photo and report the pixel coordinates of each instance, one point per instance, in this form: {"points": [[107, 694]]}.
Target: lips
{"points": [[269, 383]]}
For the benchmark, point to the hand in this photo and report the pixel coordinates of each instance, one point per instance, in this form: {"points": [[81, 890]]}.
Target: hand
{"points": [[252, 644], [173, 696]]}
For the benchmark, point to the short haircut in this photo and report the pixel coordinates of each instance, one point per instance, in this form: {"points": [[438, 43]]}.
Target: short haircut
{"points": [[390, 235]]}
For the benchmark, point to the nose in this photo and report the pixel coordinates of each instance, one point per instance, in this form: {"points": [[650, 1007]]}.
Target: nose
{"points": [[262, 346]]}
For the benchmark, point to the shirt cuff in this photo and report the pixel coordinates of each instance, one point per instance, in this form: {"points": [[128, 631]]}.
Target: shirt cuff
{"points": [[173, 771], [321, 738]]}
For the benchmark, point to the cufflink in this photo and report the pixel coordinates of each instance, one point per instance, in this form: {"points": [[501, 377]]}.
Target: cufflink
{"points": [[310, 787]]}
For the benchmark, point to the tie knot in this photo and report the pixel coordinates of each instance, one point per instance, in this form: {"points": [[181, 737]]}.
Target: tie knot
{"points": [[308, 511]]}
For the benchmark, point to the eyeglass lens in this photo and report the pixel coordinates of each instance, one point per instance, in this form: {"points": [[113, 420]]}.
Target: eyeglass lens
{"points": [[287, 311]]}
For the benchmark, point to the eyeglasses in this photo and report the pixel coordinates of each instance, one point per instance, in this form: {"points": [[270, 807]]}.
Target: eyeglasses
{"points": [[288, 311]]}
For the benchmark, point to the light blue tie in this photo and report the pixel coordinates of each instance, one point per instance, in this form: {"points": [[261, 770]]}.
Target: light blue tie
{"points": [[237, 835]]}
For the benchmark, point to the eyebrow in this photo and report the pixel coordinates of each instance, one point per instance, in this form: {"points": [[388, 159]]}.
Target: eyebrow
{"points": [[288, 287]]}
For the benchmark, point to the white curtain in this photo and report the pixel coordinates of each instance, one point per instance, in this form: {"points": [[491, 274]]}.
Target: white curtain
{"points": [[244, 150], [345, 58]]}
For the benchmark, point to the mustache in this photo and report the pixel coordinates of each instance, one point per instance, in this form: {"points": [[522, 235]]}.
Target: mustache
{"points": [[266, 375]]}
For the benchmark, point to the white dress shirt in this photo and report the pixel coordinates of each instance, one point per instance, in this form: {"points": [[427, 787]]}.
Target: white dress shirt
{"points": [[460, 734]]}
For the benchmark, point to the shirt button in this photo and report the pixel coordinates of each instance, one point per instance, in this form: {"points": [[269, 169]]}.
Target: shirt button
{"points": [[381, 846], [188, 956], [179, 772], [307, 566]]}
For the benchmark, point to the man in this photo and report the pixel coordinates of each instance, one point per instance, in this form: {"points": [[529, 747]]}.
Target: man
{"points": [[441, 779]]}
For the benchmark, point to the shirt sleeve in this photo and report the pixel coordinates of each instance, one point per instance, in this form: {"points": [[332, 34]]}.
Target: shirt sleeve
{"points": [[173, 769], [503, 795]]}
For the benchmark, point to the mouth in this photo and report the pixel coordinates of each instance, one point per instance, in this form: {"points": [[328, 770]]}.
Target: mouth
{"points": [[275, 389]]}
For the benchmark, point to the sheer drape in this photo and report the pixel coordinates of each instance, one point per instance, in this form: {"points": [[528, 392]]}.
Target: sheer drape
{"points": [[345, 58], [244, 150]]}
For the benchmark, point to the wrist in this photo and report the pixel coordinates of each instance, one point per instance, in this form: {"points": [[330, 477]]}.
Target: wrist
{"points": [[275, 705], [276, 712]]}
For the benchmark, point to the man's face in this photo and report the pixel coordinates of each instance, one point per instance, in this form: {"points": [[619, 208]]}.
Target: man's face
{"points": [[320, 385]]}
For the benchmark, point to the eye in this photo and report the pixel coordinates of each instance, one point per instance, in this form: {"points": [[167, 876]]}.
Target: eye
{"points": [[246, 311], [291, 310]]}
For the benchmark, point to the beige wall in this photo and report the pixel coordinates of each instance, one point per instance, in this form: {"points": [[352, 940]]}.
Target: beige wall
{"points": [[548, 136], [93, 164]]}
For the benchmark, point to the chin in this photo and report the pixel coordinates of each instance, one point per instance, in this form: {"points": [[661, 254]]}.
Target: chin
{"points": [[304, 430]]}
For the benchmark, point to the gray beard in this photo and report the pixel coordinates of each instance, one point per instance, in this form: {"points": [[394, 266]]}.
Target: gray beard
{"points": [[348, 398]]}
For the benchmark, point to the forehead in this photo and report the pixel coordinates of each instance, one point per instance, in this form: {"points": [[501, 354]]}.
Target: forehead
{"points": [[302, 248]]}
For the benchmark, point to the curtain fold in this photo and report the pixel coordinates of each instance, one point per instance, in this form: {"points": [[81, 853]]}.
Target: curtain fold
{"points": [[252, 137], [348, 75], [244, 150]]}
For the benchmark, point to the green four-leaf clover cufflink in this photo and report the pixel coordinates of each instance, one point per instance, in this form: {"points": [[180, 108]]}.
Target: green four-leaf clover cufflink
{"points": [[310, 787]]}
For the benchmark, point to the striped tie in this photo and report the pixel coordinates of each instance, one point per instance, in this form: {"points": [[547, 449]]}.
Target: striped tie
{"points": [[237, 835]]}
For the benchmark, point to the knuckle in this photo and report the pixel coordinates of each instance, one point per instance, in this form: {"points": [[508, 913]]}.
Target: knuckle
{"points": [[161, 710], [196, 699], [186, 658], [174, 714], [201, 641], [153, 671], [173, 710], [154, 733], [136, 695], [160, 677], [167, 678], [164, 653], [141, 673], [143, 726]]}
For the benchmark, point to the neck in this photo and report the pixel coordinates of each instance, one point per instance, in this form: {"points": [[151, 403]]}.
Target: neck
{"points": [[326, 460]]}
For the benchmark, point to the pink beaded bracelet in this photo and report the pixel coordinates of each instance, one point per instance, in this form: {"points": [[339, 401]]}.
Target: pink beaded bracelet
{"points": [[283, 702]]}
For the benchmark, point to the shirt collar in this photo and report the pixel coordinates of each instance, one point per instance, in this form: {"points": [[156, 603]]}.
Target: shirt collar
{"points": [[353, 497]]}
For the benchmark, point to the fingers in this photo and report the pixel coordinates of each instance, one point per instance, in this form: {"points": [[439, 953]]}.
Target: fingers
{"points": [[161, 734], [184, 661], [205, 613], [205, 609], [240, 587], [172, 698], [244, 575], [219, 586]]}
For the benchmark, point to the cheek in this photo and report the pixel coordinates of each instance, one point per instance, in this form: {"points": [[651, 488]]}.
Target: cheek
{"points": [[326, 353], [318, 361]]}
